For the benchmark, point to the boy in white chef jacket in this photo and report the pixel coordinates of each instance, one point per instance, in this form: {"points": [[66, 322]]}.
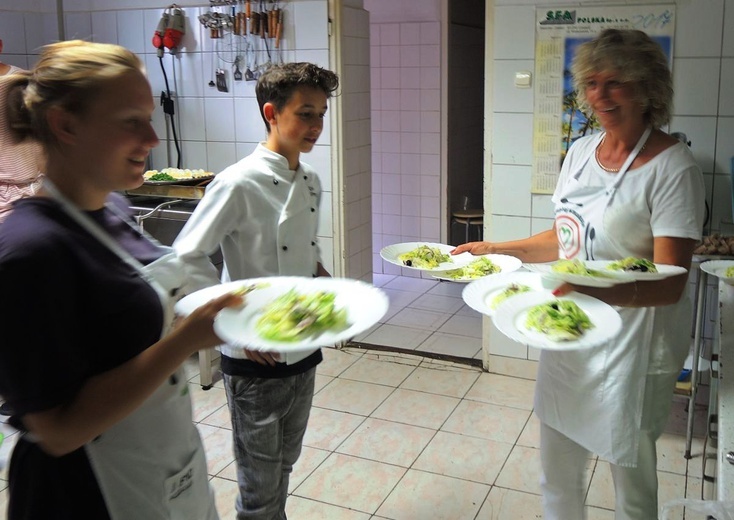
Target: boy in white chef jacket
{"points": [[263, 213]]}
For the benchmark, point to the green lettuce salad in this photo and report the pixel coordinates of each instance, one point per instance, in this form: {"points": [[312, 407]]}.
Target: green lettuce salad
{"points": [[424, 256], [631, 263], [729, 273], [294, 316], [478, 268], [576, 266], [511, 290], [560, 320]]}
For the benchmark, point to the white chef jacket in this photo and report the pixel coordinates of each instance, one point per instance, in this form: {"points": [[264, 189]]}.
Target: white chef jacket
{"points": [[595, 396], [262, 215]]}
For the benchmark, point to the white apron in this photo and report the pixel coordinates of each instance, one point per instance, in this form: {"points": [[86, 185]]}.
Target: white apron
{"points": [[595, 396], [141, 472]]}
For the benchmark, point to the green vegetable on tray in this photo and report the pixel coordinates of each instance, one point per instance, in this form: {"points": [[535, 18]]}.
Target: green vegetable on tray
{"points": [[160, 177], [424, 256], [729, 273], [294, 316], [559, 320], [478, 268]]}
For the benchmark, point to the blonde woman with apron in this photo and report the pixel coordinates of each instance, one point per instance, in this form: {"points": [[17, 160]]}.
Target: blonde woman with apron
{"points": [[631, 190], [89, 362]]}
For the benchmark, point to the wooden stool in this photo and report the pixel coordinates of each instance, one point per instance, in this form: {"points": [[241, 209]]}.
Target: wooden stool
{"points": [[469, 217]]}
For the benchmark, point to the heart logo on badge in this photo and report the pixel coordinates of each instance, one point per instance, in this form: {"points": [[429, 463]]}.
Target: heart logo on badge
{"points": [[566, 236]]}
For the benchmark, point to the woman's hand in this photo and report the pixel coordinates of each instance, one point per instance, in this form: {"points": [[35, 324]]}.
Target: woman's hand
{"points": [[197, 329], [263, 358], [475, 248]]}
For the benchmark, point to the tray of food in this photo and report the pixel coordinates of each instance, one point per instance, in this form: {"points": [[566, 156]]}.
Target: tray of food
{"points": [[176, 176]]}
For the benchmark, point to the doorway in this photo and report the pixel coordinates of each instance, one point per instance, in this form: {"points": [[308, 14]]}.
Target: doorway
{"points": [[465, 120]]}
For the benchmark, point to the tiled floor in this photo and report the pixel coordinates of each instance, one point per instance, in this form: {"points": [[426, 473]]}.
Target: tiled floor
{"points": [[426, 316], [403, 437]]}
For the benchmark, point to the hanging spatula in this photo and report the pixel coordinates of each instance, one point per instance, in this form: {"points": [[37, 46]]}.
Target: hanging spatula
{"points": [[221, 81], [237, 72]]}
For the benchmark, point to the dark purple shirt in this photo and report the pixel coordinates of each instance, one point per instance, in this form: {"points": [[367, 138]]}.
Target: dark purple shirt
{"points": [[69, 309]]}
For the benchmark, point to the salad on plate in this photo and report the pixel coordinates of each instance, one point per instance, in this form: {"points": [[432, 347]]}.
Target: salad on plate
{"points": [[632, 263], [559, 320], [294, 316], [424, 256], [477, 269], [575, 266], [510, 291]]}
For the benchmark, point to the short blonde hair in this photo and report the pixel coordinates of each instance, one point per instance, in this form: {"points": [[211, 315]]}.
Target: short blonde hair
{"points": [[68, 75], [638, 60]]}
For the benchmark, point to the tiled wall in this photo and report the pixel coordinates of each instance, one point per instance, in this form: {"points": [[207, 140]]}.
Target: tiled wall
{"points": [[356, 147], [703, 75], [215, 128], [405, 60]]}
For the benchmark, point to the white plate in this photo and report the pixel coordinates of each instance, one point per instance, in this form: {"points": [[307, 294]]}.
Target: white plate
{"points": [[511, 315], [391, 253], [193, 301], [506, 263], [547, 271], [480, 293], [664, 271], [365, 305], [718, 268]]}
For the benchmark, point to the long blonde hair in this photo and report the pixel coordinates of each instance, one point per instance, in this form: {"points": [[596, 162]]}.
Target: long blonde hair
{"points": [[68, 75]]}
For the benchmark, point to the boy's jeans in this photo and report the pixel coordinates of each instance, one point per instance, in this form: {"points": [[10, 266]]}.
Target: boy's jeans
{"points": [[269, 418]]}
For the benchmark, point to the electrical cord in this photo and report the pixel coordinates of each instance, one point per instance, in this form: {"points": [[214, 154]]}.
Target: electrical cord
{"points": [[168, 109]]}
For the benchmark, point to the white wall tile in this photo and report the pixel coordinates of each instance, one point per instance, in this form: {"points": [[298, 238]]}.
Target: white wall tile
{"points": [[389, 56], [430, 99], [510, 194], [186, 74], [728, 40], [194, 155], [104, 27], [249, 126], [430, 55], [694, 20], [390, 79], [389, 34], [507, 97], [430, 77], [132, 32], [410, 205], [325, 227], [220, 155], [219, 119], [430, 33], [724, 147], [721, 207], [12, 29], [35, 34], [508, 228], [410, 55], [311, 32], [78, 26], [695, 75], [410, 77], [701, 131], [512, 142], [542, 206], [190, 114], [410, 33], [726, 99], [319, 158], [514, 33], [538, 225]]}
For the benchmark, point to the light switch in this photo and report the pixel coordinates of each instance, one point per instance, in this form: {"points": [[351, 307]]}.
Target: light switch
{"points": [[522, 79]]}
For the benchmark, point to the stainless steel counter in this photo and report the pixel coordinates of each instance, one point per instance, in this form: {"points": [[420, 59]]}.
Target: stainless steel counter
{"points": [[725, 407]]}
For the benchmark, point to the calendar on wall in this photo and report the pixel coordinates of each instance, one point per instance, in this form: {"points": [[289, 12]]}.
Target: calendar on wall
{"points": [[558, 121]]}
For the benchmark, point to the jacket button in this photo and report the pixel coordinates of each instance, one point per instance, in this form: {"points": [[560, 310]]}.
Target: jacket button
{"points": [[285, 248], [305, 177], [313, 243], [275, 181], [313, 209]]}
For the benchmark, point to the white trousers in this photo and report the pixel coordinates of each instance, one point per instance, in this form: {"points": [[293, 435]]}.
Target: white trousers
{"points": [[563, 479]]}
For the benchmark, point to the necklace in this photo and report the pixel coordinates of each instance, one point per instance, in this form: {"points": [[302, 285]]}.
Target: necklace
{"points": [[598, 161]]}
